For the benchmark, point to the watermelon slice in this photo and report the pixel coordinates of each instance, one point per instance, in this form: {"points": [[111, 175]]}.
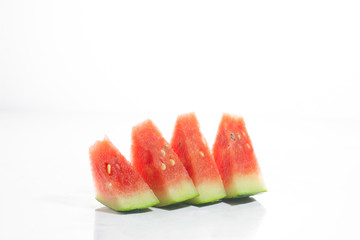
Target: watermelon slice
{"points": [[236, 160], [117, 184], [193, 151], [159, 165]]}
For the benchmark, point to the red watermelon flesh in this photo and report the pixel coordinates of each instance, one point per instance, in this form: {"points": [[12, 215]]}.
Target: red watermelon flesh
{"points": [[236, 160], [117, 184], [193, 151], [159, 165]]}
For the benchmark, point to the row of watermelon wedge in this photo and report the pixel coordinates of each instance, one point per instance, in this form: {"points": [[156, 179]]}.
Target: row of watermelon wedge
{"points": [[162, 173]]}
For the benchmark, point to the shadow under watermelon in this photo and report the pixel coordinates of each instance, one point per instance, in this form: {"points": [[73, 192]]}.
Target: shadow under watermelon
{"points": [[174, 206], [238, 201], [229, 219], [206, 204]]}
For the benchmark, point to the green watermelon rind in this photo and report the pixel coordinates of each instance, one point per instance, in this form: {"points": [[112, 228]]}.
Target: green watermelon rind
{"points": [[209, 192], [246, 195], [245, 185], [138, 200]]}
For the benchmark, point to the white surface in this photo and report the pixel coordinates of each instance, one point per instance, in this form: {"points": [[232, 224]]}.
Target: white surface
{"points": [[310, 167], [73, 71]]}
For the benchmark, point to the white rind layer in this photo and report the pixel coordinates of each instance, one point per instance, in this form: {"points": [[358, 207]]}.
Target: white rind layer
{"points": [[245, 185], [138, 200], [209, 192], [177, 193]]}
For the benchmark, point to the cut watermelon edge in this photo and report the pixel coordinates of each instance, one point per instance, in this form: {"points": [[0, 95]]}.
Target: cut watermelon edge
{"points": [[209, 192], [245, 185], [177, 193], [138, 200]]}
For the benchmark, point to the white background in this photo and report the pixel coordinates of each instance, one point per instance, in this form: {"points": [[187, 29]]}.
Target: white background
{"points": [[73, 71]]}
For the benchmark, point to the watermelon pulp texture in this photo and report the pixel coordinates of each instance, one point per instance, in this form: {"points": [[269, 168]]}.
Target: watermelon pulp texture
{"points": [[117, 184], [236, 160], [193, 151], [159, 165]]}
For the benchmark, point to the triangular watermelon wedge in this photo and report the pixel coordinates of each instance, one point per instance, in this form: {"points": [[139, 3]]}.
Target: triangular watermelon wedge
{"points": [[193, 151], [236, 160], [117, 184], [159, 165]]}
